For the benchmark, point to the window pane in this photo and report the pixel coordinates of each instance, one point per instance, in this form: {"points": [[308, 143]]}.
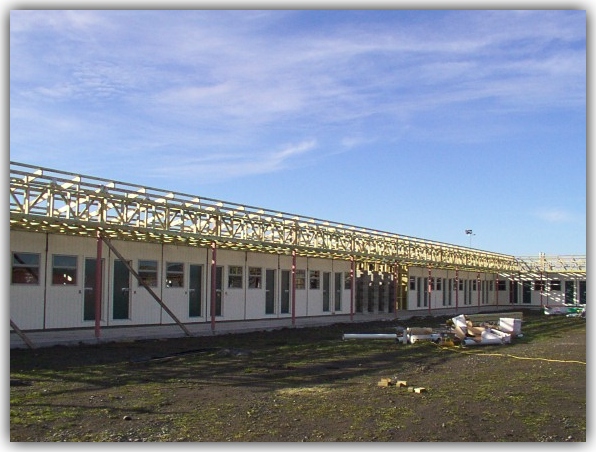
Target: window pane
{"points": [[235, 277], [254, 278], [300, 279], [25, 268], [555, 284], [64, 270], [174, 274], [25, 259], [314, 279], [347, 280], [22, 275], [148, 273]]}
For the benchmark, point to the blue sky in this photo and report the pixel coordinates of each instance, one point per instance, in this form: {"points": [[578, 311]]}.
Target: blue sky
{"points": [[423, 123]]}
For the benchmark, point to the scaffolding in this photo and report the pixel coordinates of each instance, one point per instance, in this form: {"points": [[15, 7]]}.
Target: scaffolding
{"points": [[58, 202], [49, 201]]}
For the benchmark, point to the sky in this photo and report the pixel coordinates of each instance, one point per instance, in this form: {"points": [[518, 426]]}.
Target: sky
{"points": [[422, 123]]}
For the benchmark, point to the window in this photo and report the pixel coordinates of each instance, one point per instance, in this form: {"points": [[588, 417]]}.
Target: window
{"points": [[25, 268], [348, 280], [234, 277], [539, 285], [315, 279], [501, 285], [474, 282], [461, 285], [490, 286], [254, 278], [439, 284], [431, 284], [64, 270], [148, 273], [174, 274], [412, 283], [300, 279], [555, 284]]}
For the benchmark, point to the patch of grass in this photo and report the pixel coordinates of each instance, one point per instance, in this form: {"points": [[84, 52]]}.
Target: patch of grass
{"points": [[302, 385]]}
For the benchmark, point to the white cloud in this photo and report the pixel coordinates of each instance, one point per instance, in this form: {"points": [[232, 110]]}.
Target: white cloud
{"points": [[556, 216], [225, 166]]}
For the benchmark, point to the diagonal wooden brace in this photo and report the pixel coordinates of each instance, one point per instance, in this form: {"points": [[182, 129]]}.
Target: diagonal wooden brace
{"points": [[142, 283]]}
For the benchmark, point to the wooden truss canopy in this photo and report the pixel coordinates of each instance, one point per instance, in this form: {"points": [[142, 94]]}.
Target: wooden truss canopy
{"points": [[46, 200]]}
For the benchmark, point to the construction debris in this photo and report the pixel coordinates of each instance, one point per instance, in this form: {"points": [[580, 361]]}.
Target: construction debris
{"points": [[476, 329], [486, 333], [392, 336], [384, 382], [565, 309]]}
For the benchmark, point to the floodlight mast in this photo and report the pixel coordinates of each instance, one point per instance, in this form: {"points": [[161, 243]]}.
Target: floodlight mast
{"points": [[470, 233]]}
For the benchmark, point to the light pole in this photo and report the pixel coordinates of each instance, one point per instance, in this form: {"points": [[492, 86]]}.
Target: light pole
{"points": [[470, 233]]}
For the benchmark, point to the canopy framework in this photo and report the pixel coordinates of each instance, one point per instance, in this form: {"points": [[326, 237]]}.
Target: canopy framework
{"points": [[47, 200]]}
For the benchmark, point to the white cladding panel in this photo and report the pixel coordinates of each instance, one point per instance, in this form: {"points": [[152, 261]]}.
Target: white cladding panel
{"points": [[64, 302], [143, 309], [177, 298], [27, 300], [54, 304], [232, 297], [302, 293], [256, 297]]}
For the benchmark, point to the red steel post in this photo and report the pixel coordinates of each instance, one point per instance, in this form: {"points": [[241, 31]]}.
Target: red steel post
{"points": [[98, 285]]}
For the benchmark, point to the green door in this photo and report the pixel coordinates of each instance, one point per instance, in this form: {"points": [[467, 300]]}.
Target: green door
{"points": [[195, 290], [90, 289], [338, 289], [121, 292], [326, 288], [270, 292], [527, 292], [285, 291], [569, 292]]}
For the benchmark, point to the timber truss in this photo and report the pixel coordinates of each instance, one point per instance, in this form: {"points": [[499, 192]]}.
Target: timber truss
{"points": [[46, 200]]}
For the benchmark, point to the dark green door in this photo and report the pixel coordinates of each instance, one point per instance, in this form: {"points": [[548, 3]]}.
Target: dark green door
{"points": [[326, 288], [570, 292], [527, 292], [338, 289], [582, 292], [121, 292], [195, 290], [218, 291], [285, 291], [270, 292], [90, 289]]}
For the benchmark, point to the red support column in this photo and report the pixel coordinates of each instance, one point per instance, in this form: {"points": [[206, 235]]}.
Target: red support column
{"points": [[478, 288], [429, 291], [98, 286], [352, 285], [293, 287], [456, 290], [541, 289], [396, 286], [213, 283], [496, 289]]}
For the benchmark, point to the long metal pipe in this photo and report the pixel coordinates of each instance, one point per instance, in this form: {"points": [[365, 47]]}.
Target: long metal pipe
{"points": [[370, 336]]}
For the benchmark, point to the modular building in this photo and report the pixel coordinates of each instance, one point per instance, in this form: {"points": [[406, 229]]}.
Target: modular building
{"points": [[94, 259]]}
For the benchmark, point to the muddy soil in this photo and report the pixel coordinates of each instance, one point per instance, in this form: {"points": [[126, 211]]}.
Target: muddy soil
{"points": [[307, 385]]}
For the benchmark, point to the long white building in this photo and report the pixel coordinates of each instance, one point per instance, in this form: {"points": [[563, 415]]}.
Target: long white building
{"points": [[174, 264]]}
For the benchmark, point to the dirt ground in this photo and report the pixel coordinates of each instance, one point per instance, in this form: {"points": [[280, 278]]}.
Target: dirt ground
{"points": [[307, 385]]}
